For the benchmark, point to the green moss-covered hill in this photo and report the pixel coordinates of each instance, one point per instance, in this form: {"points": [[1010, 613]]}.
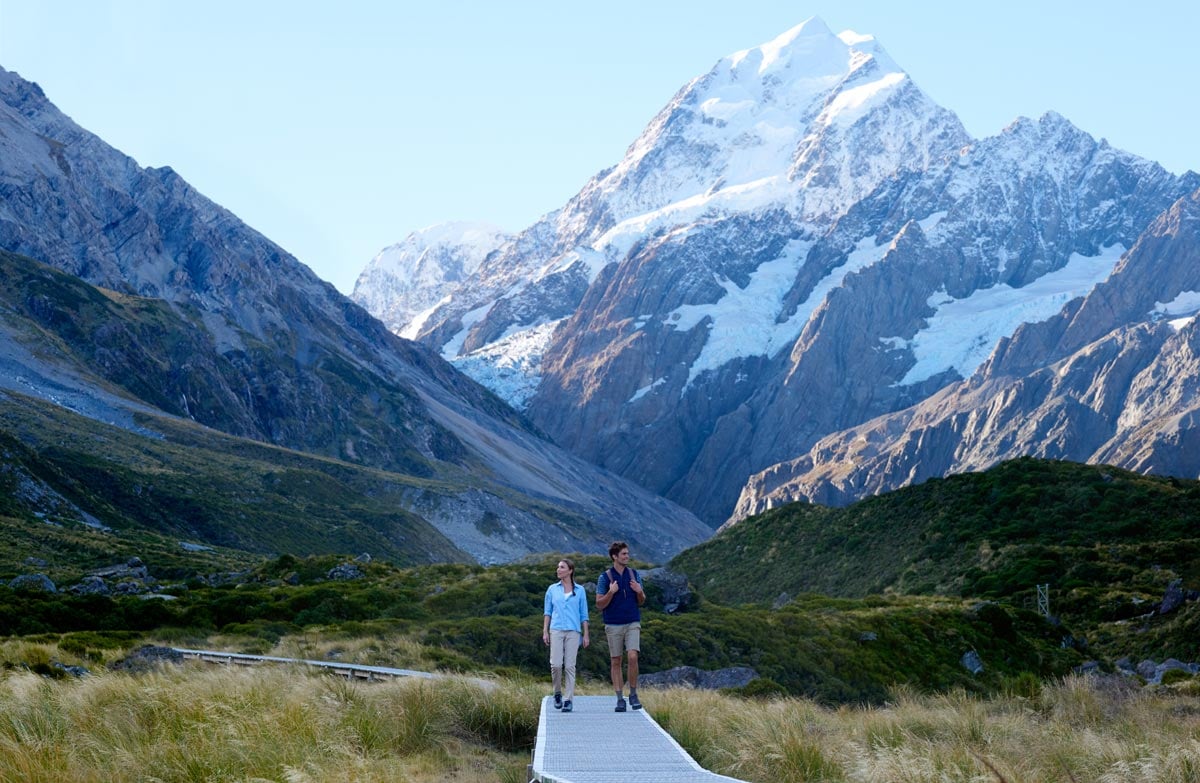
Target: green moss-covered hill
{"points": [[1106, 541]]}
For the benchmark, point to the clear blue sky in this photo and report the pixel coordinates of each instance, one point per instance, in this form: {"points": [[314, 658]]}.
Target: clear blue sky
{"points": [[336, 128]]}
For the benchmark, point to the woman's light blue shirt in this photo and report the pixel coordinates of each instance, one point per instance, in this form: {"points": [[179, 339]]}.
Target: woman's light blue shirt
{"points": [[567, 613]]}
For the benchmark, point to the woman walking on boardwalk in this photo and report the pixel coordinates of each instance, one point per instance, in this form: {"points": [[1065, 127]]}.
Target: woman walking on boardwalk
{"points": [[564, 620]]}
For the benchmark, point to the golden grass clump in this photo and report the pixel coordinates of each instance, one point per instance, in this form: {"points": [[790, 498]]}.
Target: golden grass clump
{"points": [[275, 723]]}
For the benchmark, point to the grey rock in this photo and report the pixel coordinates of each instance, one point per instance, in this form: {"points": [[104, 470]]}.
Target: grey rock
{"points": [[148, 658], [1172, 664], [345, 572], [1173, 598], [1147, 669], [677, 593], [129, 587], [690, 676], [971, 661], [133, 568], [90, 585], [33, 583]]}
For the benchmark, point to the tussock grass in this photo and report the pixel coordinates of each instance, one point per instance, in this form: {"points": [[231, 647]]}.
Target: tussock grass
{"points": [[271, 723], [201, 723], [1076, 729]]}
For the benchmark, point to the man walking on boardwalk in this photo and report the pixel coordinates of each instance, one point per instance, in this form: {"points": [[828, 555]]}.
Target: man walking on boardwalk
{"points": [[619, 596]]}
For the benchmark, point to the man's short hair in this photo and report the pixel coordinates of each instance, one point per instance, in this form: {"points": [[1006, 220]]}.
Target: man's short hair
{"points": [[615, 548]]}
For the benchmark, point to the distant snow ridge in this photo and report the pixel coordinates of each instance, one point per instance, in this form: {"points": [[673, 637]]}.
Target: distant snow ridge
{"points": [[410, 277]]}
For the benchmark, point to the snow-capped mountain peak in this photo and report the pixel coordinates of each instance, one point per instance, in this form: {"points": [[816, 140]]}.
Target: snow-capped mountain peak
{"points": [[751, 124], [406, 279]]}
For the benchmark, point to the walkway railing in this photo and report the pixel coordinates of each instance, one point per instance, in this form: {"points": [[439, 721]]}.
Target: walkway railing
{"points": [[348, 670]]}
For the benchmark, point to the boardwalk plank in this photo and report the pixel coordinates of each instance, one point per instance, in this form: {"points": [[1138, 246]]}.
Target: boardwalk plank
{"points": [[594, 744]]}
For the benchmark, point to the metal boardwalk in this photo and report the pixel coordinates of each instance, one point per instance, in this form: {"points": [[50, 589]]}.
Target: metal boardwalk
{"points": [[593, 744]]}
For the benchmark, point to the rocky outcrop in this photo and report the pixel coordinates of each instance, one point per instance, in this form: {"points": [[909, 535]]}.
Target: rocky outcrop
{"points": [[691, 677], [32, 583], [149, 658]]}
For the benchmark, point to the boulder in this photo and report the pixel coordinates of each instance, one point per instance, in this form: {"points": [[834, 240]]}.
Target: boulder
{"points": [[90, 585], [691, 677], [1173, 598], [677, 594], [148, 658], [345, 571], [33, 583]]}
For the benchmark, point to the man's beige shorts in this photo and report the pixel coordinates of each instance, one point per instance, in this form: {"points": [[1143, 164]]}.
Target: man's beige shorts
{"points": [[623, 637]]}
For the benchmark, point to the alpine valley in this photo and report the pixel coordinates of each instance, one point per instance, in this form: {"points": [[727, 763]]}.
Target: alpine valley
{"points": [[806, 281], [169, 376]]}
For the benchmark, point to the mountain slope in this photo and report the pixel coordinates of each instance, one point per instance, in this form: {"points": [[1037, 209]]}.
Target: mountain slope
{"points": [[1112, 378], [800, 242], [269, 352]]}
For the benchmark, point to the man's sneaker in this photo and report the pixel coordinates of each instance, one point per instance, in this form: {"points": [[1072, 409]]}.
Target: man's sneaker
{"points": [[620, 705], [558, 701], [567, 706], [633, 701]]}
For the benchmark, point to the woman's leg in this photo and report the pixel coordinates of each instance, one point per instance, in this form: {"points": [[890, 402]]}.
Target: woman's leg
{"points": [[571, 641], [556, 660]]}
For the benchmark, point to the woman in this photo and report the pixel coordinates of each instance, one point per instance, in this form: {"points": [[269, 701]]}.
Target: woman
{"points": [[564, 619]]}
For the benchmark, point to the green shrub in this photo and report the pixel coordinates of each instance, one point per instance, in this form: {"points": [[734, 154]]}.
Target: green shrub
{"points": [[1172, 676]]}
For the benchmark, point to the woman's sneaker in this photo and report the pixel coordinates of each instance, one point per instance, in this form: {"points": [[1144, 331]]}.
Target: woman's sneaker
{"points": [[567, 705], [558, 701]]}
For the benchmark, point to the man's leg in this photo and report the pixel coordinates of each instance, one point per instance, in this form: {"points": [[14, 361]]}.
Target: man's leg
{"points": [[615, 671], [633, 644]]}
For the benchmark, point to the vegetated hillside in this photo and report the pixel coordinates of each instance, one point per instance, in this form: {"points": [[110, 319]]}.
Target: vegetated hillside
{"points": [[78, 492], [149, 367], [1107, 541], [467, 618]]}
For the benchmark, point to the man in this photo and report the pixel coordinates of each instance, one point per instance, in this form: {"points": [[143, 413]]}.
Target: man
{"points": [[619, 596]]}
